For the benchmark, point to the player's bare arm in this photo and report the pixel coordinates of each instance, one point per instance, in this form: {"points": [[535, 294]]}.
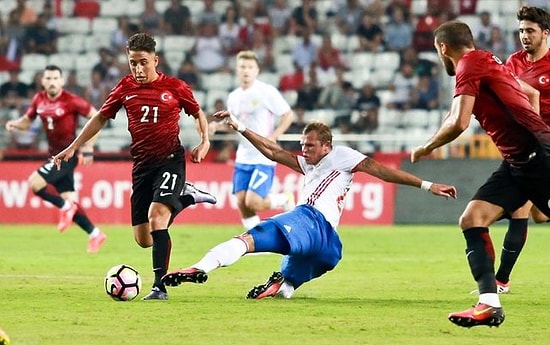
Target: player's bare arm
{"points": [[268, 148], [92, 127], [385, 173], [532, 93], [456, 122], [87, 149], [286, 121], [201, 123], [22, 123]]}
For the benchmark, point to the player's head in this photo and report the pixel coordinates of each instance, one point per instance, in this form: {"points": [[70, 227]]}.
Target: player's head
{"points": [[52, 80], [534, 27], [142, 57], [452, 39], [247, 67], [316, 141]]}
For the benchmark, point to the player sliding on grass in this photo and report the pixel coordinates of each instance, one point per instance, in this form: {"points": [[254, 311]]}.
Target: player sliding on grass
{"points": [[307, 235], [491, 91]]}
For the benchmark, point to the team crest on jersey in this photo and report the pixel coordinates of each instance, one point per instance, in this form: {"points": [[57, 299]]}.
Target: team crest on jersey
{"points": [[166, 96], [543, 80]]}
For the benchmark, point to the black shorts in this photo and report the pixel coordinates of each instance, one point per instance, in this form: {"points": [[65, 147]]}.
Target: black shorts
{"points": [[511, 186], [62, 179], [162, 183]]}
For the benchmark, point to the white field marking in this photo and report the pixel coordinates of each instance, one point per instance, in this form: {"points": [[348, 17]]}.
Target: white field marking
{"points": [[45, 276]]}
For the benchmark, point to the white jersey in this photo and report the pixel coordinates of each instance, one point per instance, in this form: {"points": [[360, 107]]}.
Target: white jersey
{"points": [[256, 107], [327, 183]]}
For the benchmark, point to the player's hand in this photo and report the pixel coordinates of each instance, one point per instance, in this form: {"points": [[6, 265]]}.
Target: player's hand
{"points": [[231, 120], [419, 152], [443, 190], [11, 125], [64, 155], [199, 152]]}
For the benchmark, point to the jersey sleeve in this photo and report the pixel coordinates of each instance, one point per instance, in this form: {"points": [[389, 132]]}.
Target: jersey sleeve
{"points": [[468, 77], [186, 98], [347, 157], [81, 105], [31, 110], [113, 103], [275, 101]]}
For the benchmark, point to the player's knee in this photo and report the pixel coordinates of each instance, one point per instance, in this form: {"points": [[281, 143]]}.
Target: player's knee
{"points": [[144, 242]]}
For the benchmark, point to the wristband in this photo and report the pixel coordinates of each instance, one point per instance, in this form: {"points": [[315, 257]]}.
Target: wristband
{"points": [[426, 185], [240, 126], [87, 154]]}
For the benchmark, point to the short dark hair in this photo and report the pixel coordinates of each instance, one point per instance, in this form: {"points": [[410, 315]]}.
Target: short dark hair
{"points": [[535, 15], [455, 34], [141, 42], [53, 68], [323, 131]]}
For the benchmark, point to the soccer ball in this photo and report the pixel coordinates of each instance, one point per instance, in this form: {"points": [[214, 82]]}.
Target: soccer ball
{"points": [[4, 339], [122, 283]]}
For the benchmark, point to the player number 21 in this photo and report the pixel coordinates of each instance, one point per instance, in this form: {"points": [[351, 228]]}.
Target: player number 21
{"points": [[146, 113]]}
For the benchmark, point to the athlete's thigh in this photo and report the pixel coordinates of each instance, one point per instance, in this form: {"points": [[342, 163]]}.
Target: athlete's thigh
{"points": [[257, 178], [63, 178]]}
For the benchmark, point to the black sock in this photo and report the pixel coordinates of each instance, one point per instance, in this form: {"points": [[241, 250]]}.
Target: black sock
{"points": [[186, 201], [81, 218], [56, 200], [481, 257], [511, 248], [162, 246]]}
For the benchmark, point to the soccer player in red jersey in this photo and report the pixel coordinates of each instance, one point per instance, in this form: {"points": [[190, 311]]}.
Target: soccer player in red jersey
{"points": [[505, 109], [532, 65], [153, 103], [59, 111]]}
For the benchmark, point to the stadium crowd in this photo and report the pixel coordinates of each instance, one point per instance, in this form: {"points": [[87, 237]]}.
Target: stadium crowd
{"points": [[363, 66]]}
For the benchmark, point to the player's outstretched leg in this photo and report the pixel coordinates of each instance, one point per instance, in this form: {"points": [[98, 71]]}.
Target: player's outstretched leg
{"points": [[269, 289], [479, 315], [185, 275]]}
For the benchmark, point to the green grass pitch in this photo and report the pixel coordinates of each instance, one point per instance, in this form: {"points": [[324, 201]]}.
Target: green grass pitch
{"points": [[395, 285]]}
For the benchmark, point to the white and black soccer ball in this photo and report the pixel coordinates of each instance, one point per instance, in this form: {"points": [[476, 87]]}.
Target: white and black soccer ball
{"points": [[122, 283]]}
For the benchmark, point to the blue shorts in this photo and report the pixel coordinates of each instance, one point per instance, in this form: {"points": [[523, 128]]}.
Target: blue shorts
{"points": [[310, 245], [254, 177]]}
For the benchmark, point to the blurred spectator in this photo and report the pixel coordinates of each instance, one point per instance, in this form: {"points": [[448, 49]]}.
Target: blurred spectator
{"points": [[371, 36], [39, 39], [36, 85], [304, 18], [304, 53], [189, 74], [163, 65], [223, 148], [95, 92], [12, 40], [107, 67], [497, 43], [308, 94], [150, 19], [404, 80], [425, 95], [425, 26], [86, 8], [51, 20], [482, 31], [177, 19], [208, 14], [279, 16], [251, 25], [403, 6], [13, 92], [120, 35], [293, 80], [328, 61], [339, 96], [207, 52], [73, 85], [348, 17], [24, 13], [228, 31], [367, 106], [264, 51], [398, 32], [421, 66]]}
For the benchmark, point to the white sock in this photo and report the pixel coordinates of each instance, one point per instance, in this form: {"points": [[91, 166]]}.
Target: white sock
{"points": [[66, 205], [277, 200], [250, 222], [490, 299], [286, 290], [95, 232], [224, 254]]}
